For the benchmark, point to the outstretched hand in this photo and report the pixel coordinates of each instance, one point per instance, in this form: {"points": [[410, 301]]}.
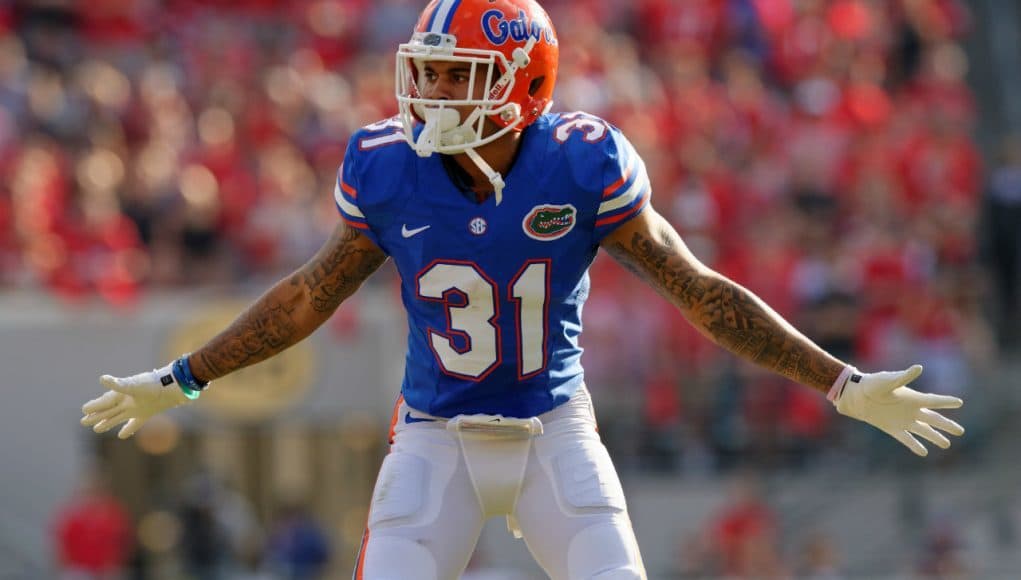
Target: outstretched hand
{"points": [[132, 399], [882, 400]]}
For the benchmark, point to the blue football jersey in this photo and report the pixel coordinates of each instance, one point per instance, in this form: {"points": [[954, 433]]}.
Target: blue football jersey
{"points": [[494, 293]]}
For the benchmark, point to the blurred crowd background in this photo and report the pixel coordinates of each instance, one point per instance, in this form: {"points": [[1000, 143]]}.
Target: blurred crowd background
{"points": [[824, 153]]}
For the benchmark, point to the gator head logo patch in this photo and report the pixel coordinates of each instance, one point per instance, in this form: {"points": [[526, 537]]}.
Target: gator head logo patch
{"points": [[549, 222]]}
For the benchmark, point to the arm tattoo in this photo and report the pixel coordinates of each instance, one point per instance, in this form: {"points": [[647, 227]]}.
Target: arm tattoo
{"points": [[265, 329], [335, 275], [293, 308], [725, 311]]}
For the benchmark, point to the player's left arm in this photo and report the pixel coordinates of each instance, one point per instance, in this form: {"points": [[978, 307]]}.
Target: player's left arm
{"points": [[738, 320], [721, 309]]}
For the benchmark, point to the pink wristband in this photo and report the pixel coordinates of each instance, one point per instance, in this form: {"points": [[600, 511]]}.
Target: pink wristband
{"points": [[838, 385]]}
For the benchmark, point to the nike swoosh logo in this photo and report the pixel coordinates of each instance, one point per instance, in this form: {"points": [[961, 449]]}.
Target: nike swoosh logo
{"points": [[408, 233], [409, 419]]}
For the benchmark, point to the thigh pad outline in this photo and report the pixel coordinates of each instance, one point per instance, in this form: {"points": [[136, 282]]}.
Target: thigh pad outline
{"points": [[398, 495], [586, 479], [413, 480]]}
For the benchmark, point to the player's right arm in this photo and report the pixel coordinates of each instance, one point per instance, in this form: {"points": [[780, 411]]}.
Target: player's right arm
{"points": [[287, 313], [293, 308]]}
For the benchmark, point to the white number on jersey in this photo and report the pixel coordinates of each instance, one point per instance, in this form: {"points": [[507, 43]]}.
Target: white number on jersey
{"points": [[392, 132], [473, 306], [474, 320], [594, 128], [530, 290]]}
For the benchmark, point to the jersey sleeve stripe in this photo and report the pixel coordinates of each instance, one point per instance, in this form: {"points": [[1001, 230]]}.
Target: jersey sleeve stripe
{"points": [[628, 175], [347, 208], [612, 189], [642, 202], [352, 192], [639, 186], [354, 224]]}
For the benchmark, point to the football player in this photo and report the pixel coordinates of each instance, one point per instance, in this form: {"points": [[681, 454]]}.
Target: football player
{"points": [[492, 209]]}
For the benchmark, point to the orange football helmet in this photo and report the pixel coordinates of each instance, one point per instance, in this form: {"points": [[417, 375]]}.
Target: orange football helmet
{"points": [[509, 45]]}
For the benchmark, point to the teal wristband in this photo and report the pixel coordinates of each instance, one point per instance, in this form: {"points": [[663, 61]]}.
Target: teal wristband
{"points": [[190, 386]]}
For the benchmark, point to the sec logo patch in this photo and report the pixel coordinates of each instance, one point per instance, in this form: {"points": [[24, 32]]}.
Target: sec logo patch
{"points": [[478, 226]]}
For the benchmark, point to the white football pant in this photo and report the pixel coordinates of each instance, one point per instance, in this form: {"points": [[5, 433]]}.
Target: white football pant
{"points": [[559, 488]]}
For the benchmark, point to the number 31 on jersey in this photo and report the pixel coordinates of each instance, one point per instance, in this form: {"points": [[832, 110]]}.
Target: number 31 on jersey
{"points": [[472, 300]]}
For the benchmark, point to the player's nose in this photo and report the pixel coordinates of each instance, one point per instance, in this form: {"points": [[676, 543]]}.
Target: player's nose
{"points": [[440, 89], [437, 96]]}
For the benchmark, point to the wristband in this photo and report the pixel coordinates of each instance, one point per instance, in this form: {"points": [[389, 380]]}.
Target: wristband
{"points": [[191, 386], [188, 392], [838, 385]]}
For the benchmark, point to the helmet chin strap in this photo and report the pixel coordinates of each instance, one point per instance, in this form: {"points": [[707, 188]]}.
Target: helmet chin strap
{"points": [[520, 60], [495, 179], [441, 127]]}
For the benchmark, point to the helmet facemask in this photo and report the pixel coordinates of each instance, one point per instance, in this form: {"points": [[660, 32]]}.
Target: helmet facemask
{"points": [[444, 130]]}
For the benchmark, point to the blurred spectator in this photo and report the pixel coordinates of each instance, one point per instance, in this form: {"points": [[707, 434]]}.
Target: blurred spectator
{"points": [[942, 549], [92, 533], [819, 559], [1003, 199], [205, 551], [661, 421], [217, 528], [695, 558], [744, 540], [299, 548]]}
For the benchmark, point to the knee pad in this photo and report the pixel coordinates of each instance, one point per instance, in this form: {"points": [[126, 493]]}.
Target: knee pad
{"points": [[396, 558], [605, 551]]}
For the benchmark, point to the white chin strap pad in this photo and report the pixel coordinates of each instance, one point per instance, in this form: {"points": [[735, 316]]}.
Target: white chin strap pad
{"points": [[437, 121]]}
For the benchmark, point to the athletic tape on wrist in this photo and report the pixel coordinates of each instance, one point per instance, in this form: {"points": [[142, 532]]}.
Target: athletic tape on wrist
{"points": [[838, 385]]}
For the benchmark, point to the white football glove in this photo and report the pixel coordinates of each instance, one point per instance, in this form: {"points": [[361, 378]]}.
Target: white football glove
{"points": [[882, 400], [133, 399]]}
